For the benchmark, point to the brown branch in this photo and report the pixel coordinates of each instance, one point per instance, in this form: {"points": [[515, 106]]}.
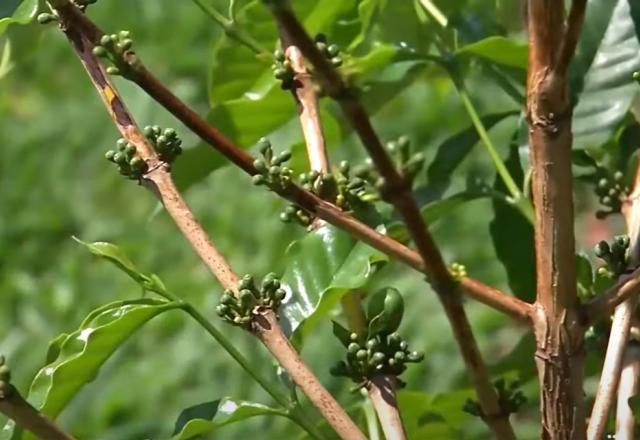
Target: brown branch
{"points": [[629, 384], [382, 392], [27, 417], [397, 191], [603, 305], [144, 79], [557, 322], [159, 180], [572, 35]]}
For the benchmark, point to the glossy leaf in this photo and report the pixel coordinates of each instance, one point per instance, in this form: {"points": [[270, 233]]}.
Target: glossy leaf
{"points": [[207, 417], [384, 311], [321, 268], [609, 89], [509, 226], [455, 149], [115, 255], [75, 359], [17, 11], [498, 50]]}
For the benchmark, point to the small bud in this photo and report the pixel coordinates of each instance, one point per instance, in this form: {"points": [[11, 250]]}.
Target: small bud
{"points": [[344, 167], [282, 157], [45, 18], [260, 165], [113, 70], [279, 55], [264, 145], [126, 44], [378, 358], [280, 73], [353, 348], [618, 176], [336, 61], [275, 170], [333, 50], [109, 155], [602, 249], [361, 355], [105, 40]]}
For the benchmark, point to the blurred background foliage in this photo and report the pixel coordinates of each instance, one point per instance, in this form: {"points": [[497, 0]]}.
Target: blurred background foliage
{"points": [[55, 184]]}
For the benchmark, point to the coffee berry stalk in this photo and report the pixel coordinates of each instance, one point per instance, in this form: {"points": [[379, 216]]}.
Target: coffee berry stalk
{"points": [[251, 300], [115, 48]]}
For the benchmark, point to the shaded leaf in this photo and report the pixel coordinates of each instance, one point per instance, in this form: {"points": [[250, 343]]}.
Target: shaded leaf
{"points": [[584, 275], [455, 149], [321, 268], [508, 227], [609, 88], [17, 11], [384, 311], [207, 417], [343, 335], [498, 50]]}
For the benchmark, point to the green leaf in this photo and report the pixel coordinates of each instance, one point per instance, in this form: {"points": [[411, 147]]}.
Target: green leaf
{"points": [[509, 226], [498, 50], [384, 311], [434, 211], [75, 359], [320, 269], [206, 418], [634, 404], [609, 89], [455, 149], [114, 254], [368, 10], [17, 11], [584, 275], [343, 335], [437, 416]]}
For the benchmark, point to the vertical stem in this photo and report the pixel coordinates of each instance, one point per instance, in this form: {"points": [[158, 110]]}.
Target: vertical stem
{"points": [[382, 392], [558, 329], [629, 383]]}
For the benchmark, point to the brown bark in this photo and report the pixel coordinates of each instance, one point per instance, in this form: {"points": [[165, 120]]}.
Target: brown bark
{"points": [[557, 324], [382, 392]]}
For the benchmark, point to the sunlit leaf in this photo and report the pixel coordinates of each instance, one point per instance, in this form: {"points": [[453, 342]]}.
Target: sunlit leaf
{"points": [[207, 417], [321, 268], [114, 254], [75, 359]]}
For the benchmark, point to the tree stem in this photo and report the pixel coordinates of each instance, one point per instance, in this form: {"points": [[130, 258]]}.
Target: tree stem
{"points": [[382, 392]]}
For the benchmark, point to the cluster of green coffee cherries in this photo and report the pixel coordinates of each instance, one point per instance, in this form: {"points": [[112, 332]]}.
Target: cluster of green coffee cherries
{"points": [[331, 51], [457, 271], [612, 192], [271, 168], [614, 254], [129, 163], [113, 48], [5, 379], [380, 354], [381, 351], [165, 142], [340, 188], [239, 309], [510, 399]]}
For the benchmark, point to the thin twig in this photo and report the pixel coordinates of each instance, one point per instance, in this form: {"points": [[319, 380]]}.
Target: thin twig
{"points": [[27, 417], [572, 35], [610, 375], [161, 183], [397, 191], [624, 297], [492, 297], [628, 387], [382, 392]]}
